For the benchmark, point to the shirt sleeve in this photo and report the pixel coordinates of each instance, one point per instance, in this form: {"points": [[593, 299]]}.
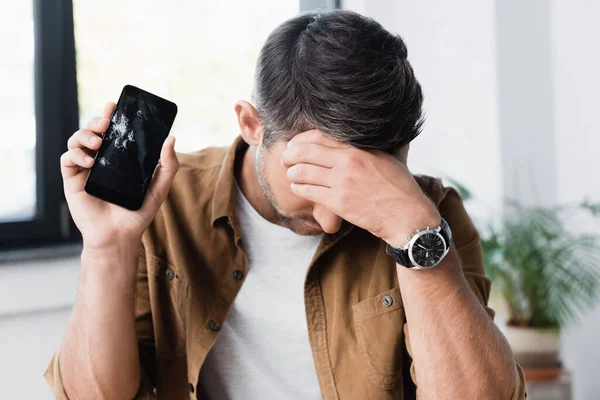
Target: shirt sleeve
{"points": [[467, 242], [52, 376], [143, 323], [520, 390], [54, 380]]}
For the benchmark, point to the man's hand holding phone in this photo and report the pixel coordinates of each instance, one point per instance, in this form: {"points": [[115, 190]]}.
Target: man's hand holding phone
{"points": [[104, 225], [102, 326]]}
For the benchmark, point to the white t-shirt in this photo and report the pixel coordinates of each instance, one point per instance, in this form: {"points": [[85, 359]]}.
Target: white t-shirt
{"points": [[262, 351]]}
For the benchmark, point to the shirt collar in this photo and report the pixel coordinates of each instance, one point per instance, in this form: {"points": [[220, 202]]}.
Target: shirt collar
{"points": [[224, 200]]}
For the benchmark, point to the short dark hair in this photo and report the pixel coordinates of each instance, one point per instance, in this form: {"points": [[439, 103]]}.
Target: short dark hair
{"points": [[341, 73]]}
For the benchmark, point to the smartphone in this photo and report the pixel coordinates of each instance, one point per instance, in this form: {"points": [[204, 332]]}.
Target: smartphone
{"points": [[130, 149]]}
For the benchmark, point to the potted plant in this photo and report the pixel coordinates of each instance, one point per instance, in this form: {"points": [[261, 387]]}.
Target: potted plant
{"points": [[546, 274]]}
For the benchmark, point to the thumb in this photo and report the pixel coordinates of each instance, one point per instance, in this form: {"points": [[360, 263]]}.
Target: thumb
{"points": [[108, 109], [163, 177]]}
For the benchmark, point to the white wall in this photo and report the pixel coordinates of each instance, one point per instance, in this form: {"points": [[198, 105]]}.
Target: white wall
{"points": [[576, 63], [526, 88], [26, 344], [35, 305]]}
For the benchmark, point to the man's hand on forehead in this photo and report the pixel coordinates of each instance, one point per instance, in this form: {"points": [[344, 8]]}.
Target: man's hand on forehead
{"points": [[370, 189]]}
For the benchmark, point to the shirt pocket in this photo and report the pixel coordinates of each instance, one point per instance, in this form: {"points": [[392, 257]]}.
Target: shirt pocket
{"points": [[378, 323], [169, 310]]}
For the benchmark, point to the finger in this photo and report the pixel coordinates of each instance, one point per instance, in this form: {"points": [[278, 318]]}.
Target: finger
{"points": [[84, 138], [311, 174], [316, 136], [108, 109], [73, 161], [163, 176], [309, 153], [98, 125], [329, 221], [317, 194]]}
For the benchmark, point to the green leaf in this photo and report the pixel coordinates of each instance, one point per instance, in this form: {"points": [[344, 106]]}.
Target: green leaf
{"points": [[463, 192], [548, 275], [593, 208]]}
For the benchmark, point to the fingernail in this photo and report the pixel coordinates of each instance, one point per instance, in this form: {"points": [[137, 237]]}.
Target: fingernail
{"points": [[88, 159], [94, 140]]}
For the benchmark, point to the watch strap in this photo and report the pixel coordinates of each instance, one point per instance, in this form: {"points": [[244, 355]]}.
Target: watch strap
{"points": [[446, 233], [400, 256]]}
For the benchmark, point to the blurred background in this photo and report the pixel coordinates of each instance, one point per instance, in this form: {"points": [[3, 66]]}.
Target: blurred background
{"points": [[510, 96]]}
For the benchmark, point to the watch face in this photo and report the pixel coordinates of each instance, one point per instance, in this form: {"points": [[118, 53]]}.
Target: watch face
{"points": [[428, 249]]}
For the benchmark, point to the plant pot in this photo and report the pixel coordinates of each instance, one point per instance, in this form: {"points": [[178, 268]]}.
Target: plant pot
{"points": [[536, 350], [542, 374]]}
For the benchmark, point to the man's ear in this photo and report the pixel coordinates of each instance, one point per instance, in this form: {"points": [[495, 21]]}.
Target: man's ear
{"points": [[249, 122]]}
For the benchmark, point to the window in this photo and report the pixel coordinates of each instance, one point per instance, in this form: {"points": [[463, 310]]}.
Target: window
{"points": [[17, 147], [198, 53], [38, 106]]}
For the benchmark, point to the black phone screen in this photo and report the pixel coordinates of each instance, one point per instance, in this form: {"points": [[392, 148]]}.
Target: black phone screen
{"points": [[130, 148]]}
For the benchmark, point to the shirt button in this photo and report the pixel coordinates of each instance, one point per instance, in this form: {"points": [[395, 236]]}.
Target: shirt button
{"points": [[387, 301], [214, 325], [170, 274], [238, 275], [191, 387]]}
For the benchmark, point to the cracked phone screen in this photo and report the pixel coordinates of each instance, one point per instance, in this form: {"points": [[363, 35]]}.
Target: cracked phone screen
{"points": [[131, 146]]}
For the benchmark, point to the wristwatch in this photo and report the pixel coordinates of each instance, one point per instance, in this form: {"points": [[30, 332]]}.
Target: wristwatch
{"points": [[425, 249]]}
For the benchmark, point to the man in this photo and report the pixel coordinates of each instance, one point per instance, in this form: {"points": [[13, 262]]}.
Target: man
{"points": [[279, 267]]}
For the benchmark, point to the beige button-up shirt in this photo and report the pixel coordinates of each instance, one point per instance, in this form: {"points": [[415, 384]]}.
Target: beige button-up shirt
{"points": [[193, 263]]}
